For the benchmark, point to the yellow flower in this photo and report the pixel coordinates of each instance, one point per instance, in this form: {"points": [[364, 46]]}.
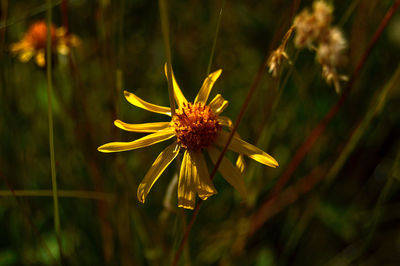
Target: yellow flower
{"points": [[197, 128], [35, 40]]}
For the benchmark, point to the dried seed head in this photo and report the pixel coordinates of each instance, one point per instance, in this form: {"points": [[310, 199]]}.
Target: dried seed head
{"points": [[323, 14], [310, 26], [329, 55], [330, 74], [275, 60], [330, 48], [277, 56]]}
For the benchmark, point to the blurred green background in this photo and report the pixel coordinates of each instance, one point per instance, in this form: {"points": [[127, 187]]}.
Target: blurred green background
{"points": [[340, 207]]}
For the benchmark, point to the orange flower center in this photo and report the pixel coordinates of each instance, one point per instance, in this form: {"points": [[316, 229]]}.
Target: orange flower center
{"points": [[37, 35], [196, 126]]}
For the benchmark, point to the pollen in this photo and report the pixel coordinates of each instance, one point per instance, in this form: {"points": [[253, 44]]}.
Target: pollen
{"points": [[37, 35], [196, 126]]}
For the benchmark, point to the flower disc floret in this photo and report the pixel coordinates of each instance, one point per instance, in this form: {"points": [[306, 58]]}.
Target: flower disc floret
{"points": [[196, 126]]}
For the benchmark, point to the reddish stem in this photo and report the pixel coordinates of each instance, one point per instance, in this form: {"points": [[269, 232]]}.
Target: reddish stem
{"points": [[64, 12]]}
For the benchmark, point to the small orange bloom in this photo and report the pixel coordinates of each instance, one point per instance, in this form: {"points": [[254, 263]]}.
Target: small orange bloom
{"points": [[35, 40]]}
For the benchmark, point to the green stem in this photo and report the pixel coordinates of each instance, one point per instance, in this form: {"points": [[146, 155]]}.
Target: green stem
{"points": [[165, 31], [50, 115], [215, 37]]}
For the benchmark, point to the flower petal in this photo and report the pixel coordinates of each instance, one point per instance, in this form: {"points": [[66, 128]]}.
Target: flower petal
{"points": [[204, 186], [240, 146], [218, 104], [179, 97], [231, 174], [240, 163], [225, 121], [146, 127], [40, 59], [133, 99], [25, 55], [158, 167], [74, 41], [63, 48], [205, 89], [139, 143], [186, 186], [18, 46]]}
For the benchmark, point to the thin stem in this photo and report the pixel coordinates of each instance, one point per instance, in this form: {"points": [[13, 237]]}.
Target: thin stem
{"points": [[119, 72], [186, 234], [348, 13], [64, 12], [167, 46], [4, 8], [259, 217], [215, 37], [80, 194], [50, 117]]}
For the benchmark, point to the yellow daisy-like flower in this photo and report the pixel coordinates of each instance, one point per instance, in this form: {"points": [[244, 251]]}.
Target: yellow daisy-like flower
{"points": [[197, 128], [34, 42]]}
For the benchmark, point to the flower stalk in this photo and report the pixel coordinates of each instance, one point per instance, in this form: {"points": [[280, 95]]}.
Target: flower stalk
{"points": [[51, 128]]}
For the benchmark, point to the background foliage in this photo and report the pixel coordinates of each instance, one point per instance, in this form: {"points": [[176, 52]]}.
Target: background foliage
{"points": [[345, 216]]}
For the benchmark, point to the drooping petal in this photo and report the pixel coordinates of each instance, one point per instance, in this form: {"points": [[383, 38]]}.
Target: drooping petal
{"points": [[240, 163], [204, 186], [63, 48], [231, 174], [139, 143], [146, 127], [61, 32], [16, 47], [179, 97], [205, 89], [240, 146], [40, 59], [25, 55], [218, 104], [186, 186], [74, 40], [133, 99], [225, 121], [158, 167]]}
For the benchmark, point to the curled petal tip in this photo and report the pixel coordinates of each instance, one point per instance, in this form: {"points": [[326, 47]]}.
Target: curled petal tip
{"points": [[185, 207], [100, 149]]}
